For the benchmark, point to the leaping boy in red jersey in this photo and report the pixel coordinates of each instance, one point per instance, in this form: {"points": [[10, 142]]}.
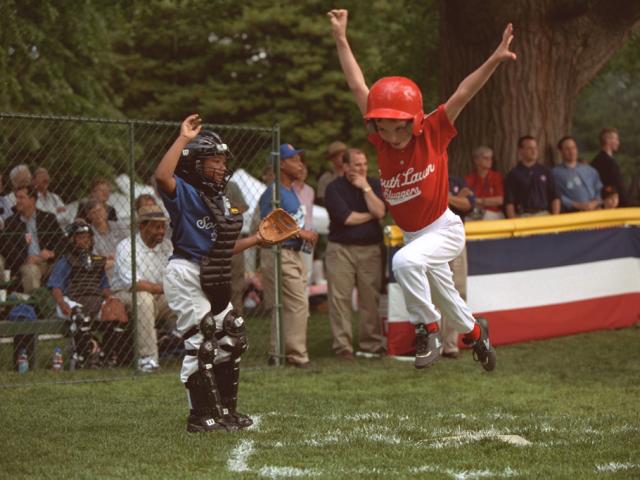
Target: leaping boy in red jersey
{"points": [[412, 157]]}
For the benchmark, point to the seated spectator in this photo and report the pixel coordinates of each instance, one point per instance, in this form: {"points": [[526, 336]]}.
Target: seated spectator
{"points": [[79, 286], [606, 165], [610, 197], [20, 176], [144, 200], [487, 186], [30, 240], [577, 183], [48, 201], [100, 192], [106, 233], [529, 187], [152, 256]]}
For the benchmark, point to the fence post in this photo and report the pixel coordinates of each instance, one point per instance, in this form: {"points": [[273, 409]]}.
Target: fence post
{"points": [[277, 310], [133, 231]]}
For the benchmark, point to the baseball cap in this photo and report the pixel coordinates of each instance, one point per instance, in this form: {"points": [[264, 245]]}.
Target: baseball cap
{"points": [[151, 213], [335, 148], [287, 151]]}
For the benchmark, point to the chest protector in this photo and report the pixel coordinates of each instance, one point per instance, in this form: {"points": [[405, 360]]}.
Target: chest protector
{"points": [[215, 266], [84, 280]]}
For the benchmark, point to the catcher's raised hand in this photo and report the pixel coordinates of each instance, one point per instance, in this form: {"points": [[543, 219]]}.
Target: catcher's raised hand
{"points": [[191, 126]]}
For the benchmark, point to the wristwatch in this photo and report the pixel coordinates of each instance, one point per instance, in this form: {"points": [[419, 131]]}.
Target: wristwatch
{"points": [[366, 189]]}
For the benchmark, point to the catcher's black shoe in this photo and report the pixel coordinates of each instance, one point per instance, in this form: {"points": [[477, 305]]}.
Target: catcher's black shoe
{"points": [[239, 419], [428, 346], [483, 352], [203, 424]]}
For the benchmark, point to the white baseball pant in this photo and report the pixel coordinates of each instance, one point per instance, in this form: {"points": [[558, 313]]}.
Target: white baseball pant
{"points": [[422, 270], [186, 298]]}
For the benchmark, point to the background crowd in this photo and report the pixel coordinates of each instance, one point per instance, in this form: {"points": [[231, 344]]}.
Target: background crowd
{"points": [[41, 237]]}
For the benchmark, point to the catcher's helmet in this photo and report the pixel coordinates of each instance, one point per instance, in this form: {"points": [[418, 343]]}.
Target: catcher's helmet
{"points": [[190, 166], [396, 98], [78, 226]]}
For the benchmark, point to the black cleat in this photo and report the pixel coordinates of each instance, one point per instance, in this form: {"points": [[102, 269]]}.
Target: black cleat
{"points": [[239, 419], [428, 347], [197, 424], [483, 352]]}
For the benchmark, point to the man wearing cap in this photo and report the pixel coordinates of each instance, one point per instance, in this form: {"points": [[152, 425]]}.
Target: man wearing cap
{"points": [[152, 252], [294, 278], [335, 151]]}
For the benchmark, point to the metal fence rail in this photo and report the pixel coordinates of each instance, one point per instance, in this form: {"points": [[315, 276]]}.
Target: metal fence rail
{"points": [[101, 170]]}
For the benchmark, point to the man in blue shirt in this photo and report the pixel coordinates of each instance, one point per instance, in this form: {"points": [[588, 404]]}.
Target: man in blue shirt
{"points": [[577, 183], [355, 205], [529, 186], [294, 277]]}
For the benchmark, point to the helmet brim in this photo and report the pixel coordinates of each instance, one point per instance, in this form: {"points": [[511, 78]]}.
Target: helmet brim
{"points": [[388, 113]]}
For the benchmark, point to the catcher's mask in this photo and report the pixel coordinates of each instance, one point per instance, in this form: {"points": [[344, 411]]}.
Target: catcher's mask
{"points": [[77, 227], [191, 164]]}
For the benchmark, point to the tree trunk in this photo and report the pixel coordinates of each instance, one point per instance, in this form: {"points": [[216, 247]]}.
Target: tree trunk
{"points": [[560, 45]]}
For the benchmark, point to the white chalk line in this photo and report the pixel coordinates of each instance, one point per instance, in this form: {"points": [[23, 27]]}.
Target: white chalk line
{"points": [[615, 467], [239, 457]]}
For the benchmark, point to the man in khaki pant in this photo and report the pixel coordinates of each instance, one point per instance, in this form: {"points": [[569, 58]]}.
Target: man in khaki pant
{"points": [[295, 303], [355, 206]]}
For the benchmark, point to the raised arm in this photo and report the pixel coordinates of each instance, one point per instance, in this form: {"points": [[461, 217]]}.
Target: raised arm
{"points": [[189, 129], [476, 80], [348, 62]]}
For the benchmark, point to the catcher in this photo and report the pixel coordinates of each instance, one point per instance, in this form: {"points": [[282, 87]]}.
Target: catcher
{"points": [[191, 179]]}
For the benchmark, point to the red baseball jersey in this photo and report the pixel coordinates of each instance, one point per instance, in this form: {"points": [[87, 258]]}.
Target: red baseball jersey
{"points": [[489, 186], [415, 179]]}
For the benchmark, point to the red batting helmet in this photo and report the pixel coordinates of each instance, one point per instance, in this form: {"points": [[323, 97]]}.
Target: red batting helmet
{"points": [[396, 98]]}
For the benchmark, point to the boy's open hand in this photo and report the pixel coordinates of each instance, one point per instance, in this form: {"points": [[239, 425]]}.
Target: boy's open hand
{"points": [[191, 126], [338, 22], [503, 53]]}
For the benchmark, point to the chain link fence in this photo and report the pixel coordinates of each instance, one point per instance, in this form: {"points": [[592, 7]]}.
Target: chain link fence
{"points": [[54, 269]]}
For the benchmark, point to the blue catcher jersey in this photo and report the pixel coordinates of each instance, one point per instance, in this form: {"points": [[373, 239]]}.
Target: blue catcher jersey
{"points": [[194, 228]]}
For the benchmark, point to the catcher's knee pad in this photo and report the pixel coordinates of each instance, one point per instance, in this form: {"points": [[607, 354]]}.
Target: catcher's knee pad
{"points": [[235, 339]]}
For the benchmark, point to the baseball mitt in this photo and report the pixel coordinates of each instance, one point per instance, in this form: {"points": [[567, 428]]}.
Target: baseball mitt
{"points": [[277, 227]]}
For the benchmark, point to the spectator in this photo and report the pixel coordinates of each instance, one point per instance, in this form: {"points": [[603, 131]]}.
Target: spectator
{"points": [[30, 240], [461, 202], [19, 176], [307, 196], [578, 184], [605, 164], [152, 257], [100, 191], [106, 234], [529, 188], [48, 201], [144, 200], [486, 185], [610, 197], [268, 175], [355, 205], [236, 199], [334, 153], [294, 278], [79, 285]]}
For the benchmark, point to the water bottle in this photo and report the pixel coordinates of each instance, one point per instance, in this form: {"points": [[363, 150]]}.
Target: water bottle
{"points": [[57, 362], [23, 361]]}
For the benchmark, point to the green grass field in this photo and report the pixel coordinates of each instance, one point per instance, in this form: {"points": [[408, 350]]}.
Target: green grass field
{"points": [[562, 408]]}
